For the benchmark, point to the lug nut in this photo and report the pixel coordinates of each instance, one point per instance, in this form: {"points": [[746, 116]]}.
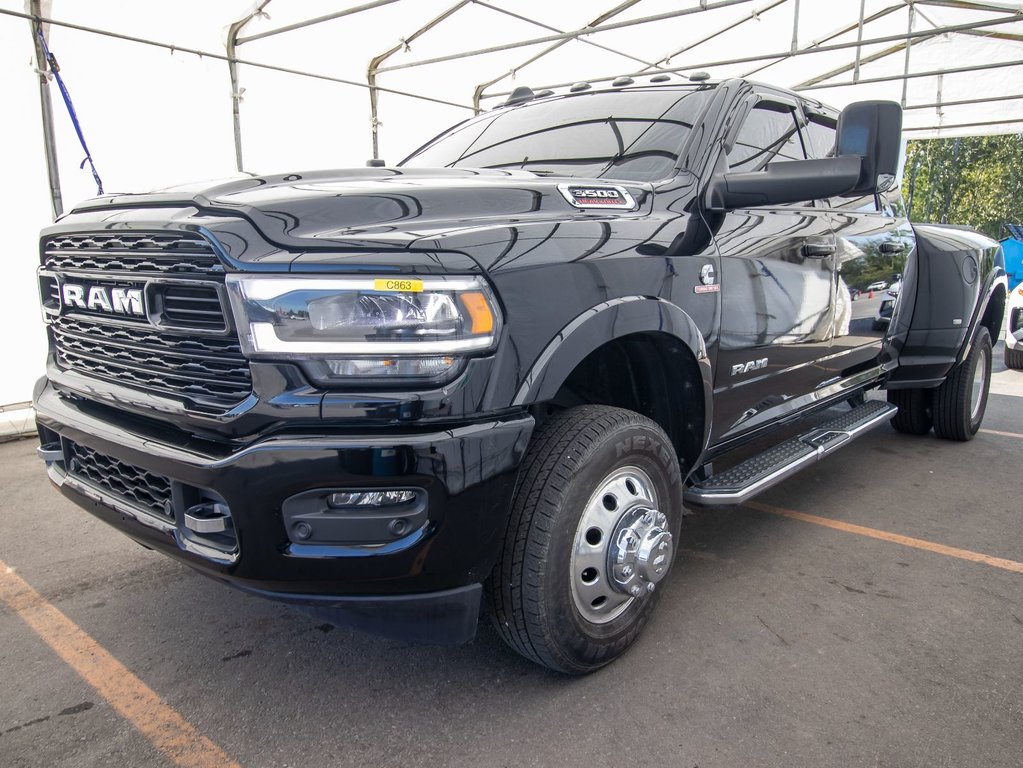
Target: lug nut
{"points": [[627, 570], [650, 587], [636, 591]]}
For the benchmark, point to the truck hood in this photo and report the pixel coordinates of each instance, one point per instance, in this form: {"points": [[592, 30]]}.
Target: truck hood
{"points": [[380, 208]]}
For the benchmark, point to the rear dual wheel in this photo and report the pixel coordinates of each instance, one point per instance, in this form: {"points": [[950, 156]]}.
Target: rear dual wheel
{"points": [[1014, 358], [960, 402], [594, 527], [956, 408]]}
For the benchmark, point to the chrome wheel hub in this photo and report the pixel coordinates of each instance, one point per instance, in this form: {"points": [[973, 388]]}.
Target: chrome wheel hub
{"points": [[640, 551], [622, 546]]}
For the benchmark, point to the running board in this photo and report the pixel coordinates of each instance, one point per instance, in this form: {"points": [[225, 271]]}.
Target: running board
{"points": [[760, 472]]}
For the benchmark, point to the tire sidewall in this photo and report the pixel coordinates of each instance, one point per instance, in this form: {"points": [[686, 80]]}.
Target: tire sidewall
{"points": [[981, 351], [641, 446]]}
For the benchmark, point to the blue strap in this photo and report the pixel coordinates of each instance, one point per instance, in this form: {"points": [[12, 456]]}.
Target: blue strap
{"points": [[51, 62]]}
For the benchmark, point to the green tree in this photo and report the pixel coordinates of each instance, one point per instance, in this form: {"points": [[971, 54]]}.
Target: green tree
{"points": [[976, 181]]}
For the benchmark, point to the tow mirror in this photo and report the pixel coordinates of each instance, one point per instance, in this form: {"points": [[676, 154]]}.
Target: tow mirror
{"points": [[871, 130], [866, 161]]}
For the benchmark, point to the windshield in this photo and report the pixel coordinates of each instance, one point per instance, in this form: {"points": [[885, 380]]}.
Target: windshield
{"points": [[632, 135]]}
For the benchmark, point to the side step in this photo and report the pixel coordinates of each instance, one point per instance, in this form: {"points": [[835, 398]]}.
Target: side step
{"points": [[760, 472]]}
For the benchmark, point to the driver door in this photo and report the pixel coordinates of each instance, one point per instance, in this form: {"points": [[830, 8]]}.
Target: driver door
{"points": [[777, 285]]}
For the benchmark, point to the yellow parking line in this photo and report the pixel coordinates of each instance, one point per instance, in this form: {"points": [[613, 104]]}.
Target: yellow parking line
{"points": [[168, 731], [906, 541], [1002, 434]]}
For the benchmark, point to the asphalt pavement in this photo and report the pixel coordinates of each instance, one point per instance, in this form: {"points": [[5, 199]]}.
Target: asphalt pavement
{"points": [[780, 641]]}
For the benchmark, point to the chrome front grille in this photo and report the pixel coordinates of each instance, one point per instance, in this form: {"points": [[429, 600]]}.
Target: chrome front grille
{"points": [[180, 348]]}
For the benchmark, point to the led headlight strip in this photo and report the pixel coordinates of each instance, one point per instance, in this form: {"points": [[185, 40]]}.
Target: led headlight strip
{"points": [[313, 317]]}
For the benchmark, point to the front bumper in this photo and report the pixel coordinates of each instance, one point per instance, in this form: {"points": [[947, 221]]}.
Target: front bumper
{"points": [[427, 578]]}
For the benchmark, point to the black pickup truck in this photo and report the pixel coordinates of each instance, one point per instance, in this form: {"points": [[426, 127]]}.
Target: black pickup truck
{"points": [[494, 373]]}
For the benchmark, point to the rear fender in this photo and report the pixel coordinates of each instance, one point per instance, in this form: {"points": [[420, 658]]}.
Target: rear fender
{"points": [[956, 277]]}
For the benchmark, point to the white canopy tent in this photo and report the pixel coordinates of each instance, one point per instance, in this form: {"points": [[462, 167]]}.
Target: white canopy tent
{"points": [[168, 92]]}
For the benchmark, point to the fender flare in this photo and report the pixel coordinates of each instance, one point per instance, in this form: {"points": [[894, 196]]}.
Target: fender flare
{"points": [[995, 279], [605, 322]]}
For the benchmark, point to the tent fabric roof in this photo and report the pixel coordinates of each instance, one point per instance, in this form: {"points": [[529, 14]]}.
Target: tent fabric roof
{"points": [[195, 89], [951, 63]]}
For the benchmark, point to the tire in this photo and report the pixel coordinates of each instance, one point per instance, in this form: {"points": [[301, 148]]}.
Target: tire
{"points": [[914, 416], [960, 402], [580, 462], [1014, 358]]}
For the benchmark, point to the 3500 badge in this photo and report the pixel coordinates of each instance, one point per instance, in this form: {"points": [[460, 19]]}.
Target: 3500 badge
{"points": [[604, 196]]}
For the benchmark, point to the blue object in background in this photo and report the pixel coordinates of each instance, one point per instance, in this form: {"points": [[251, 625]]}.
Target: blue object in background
{"points": [[1013, 247]]}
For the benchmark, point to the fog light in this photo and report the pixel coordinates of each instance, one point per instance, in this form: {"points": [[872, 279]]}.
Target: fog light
{"points": [[348, 499]]}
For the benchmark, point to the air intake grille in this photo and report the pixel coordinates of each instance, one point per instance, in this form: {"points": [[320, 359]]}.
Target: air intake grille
{"points": [[138, 487], [131, 252]]}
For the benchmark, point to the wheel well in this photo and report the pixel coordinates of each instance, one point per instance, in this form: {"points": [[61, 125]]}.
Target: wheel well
{"points": [[994, 313], [650, 373]]}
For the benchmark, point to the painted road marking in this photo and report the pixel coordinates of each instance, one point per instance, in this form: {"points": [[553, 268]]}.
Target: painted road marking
{"points": [[906, 541], [1017, 435], [135, 701]]}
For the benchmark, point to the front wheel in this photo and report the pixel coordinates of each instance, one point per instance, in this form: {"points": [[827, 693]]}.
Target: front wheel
{"points": [[959, 403], [593, 533]]}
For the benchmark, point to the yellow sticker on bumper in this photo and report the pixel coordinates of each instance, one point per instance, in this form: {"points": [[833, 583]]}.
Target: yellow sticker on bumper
{"points": [[396, 284]]}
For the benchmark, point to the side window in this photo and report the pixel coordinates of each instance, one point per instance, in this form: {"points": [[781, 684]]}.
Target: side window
{"points": [[821, 136], [769, 134]]}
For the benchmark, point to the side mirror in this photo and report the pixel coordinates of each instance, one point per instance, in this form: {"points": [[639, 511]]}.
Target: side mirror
{"points": [[867, 149], [873, 131], [793, 181]]}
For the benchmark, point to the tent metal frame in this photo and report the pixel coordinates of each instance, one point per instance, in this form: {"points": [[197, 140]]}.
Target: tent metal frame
{"points": [[556, 38]]}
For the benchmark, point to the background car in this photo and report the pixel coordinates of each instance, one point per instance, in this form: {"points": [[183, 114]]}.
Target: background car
{"points": [[1014, 330], [880, 285]]}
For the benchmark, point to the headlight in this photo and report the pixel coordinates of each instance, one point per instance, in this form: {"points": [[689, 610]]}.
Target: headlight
{"points": [[365, 328]]}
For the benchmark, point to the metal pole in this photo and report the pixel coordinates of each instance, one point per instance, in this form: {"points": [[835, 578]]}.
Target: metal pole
{"points": [[969, 6], [964, 102], [549, 28], [376, 61], [846, 67], [815, 49], [795, 27], [754, 14], [236, 93], [830, 36], [568, 35], [317, 20], [914, 75], [222, 57], [859, 42], [46, 109], [905, 81], [477, 93]]}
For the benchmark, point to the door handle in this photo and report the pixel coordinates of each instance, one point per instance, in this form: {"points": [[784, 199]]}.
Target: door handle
{"points": [[893, 246], [818, 250]]}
